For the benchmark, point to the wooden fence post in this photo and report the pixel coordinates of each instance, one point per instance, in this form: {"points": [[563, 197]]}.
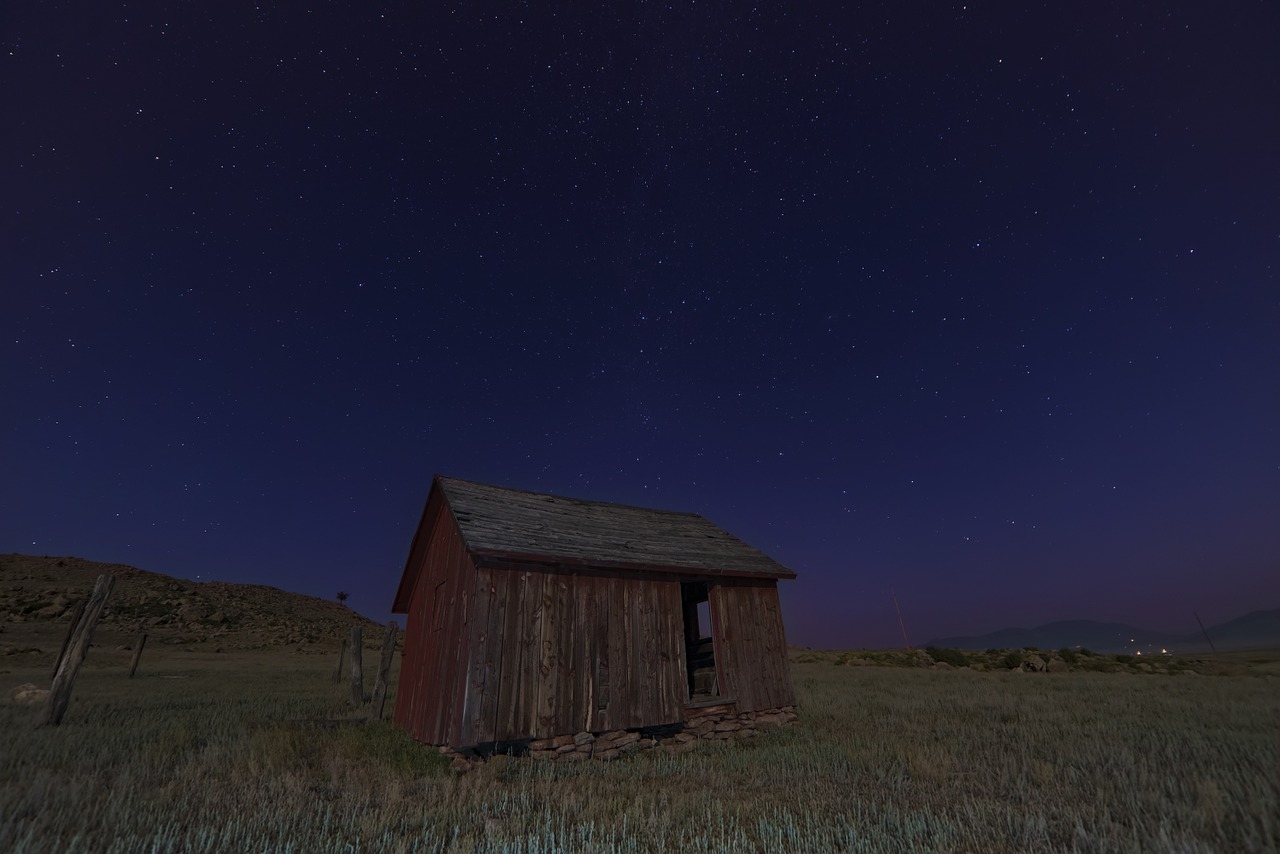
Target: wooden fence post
{"points": [[137, 653], [76, 613], [64, 679], [342, 660], [384, 667], [357, 667]]}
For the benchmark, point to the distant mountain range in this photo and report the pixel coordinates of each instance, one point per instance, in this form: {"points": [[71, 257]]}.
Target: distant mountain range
{"points": [[1256, 630]]}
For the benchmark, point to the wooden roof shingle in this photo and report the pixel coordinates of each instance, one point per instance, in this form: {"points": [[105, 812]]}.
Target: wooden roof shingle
{"points": [[512, 524]]}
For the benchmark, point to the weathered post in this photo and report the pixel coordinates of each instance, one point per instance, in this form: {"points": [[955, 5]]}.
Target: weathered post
{"points": [[64, 679], [137, 653], [342, 660], [384, 668], [76, 613], [357, 667]]}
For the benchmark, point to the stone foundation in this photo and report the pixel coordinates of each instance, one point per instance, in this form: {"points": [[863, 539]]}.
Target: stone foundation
{"points": [[709, 723]]}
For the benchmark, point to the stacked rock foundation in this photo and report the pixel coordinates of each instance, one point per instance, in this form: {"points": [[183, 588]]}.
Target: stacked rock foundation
{"points": [[710, 723]]}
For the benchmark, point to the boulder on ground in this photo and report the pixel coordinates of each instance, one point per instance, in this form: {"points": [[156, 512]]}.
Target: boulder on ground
{"points": [[28, 694]]}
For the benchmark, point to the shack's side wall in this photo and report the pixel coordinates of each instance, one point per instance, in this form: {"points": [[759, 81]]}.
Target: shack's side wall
{"points": [[750, 644], [432, 687], [557, 653]]}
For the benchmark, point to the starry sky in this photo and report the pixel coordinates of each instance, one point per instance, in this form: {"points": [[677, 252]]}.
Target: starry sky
{"points": [[978, 302]]}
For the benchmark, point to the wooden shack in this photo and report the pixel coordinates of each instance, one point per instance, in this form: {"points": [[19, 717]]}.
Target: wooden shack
{"points": [[532, 616]]}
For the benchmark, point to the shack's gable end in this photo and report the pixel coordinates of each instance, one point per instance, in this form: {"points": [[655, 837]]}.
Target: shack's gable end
{"points": [[514, 524], [431, 696], [418, 548]]}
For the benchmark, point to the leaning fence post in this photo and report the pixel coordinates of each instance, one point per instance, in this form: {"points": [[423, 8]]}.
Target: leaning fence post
{"points": [[357, 667], [137, 653], [384, 667], [342, 659], [76, 613], [64, 679]]}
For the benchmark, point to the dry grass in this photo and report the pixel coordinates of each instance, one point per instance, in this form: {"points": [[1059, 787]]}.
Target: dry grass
{"points": [[196, 756]]}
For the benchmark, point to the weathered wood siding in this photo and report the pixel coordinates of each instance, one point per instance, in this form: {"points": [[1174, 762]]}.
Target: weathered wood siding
{"points": [[556, 653], [750, 645], [432, 687]]}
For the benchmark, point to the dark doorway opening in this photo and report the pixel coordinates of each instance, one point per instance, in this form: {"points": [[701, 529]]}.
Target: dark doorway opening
{"points": [[699, 646]]}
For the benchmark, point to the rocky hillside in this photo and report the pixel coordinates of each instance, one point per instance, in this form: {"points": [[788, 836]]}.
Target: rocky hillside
{"points": [[237, 616]]}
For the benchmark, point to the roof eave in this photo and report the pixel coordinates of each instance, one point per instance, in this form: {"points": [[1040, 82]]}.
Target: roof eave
{"points": [[500, 557]]}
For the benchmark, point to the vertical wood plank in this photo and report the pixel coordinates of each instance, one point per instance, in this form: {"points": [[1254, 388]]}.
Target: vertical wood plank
{"points": [[765, 647], [76, 613], [743, 636], [412, 663], [673, 662], [577, 711], [636, 683], [503, 646], [64, 680], [751, 651], [519, 631], [466, 583], [763, 671], [650, 640], [384, 671], [722, 635], [563, 673], [619, 657], [137, 653], [611, 659], [448, 637], [357, 668], [589, 619], [415, 707], [342, 662], [540, 602], [544, 692], [485, 654], [749, 631], [786, 695]]}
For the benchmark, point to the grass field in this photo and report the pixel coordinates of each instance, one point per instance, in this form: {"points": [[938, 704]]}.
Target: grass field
{"points": [[198, 753]]}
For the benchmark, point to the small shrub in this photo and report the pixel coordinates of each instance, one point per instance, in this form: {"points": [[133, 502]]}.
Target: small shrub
{"points": [[1084, 650], [954, 657], [1124, 659], [1068, 655], [1012, 660]]}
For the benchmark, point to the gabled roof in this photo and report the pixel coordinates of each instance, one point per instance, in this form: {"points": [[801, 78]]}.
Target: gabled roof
{"points": [[512, 523], [501, 525]]}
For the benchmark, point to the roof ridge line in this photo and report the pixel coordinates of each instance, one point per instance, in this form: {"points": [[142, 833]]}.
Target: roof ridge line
{"points": [[570, 499]]}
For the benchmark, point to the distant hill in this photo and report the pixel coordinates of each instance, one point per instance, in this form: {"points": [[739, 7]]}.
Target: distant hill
{"points": [[45, 589], [1257, 630]]}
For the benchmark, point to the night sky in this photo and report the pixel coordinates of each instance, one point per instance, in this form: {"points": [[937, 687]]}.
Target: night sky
{"points": [[978, 302]]}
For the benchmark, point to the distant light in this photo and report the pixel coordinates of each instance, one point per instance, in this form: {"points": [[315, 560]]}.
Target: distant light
{"points": [[1139, 652], [1164, 651]]}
